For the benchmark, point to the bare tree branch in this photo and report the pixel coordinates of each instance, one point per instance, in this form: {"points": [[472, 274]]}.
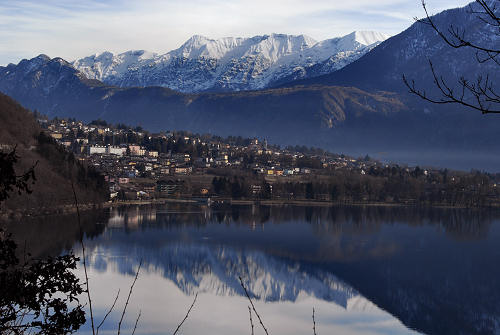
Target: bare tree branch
{"points": [[136, 322], [479, 91], [109, 311], [128, 297], [84, 258], [253, 307], [491, 18], [456, 38], [187, 315], [478, 94], [251, 321], [314, 323]]}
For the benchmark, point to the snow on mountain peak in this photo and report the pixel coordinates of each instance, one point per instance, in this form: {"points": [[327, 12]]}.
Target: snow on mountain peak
{"points": [[42, 57], [191, 48], [139, 54], [104, 55], [368, 37], [229, 63], [271, 46]]}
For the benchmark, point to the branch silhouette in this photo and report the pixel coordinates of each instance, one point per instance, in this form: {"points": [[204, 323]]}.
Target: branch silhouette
{"points": [[84, 258], [109, 311], [187, 315], [251, 321], [477, 94], [314, 323], [128, 298], [253, 306], [136, 322]]}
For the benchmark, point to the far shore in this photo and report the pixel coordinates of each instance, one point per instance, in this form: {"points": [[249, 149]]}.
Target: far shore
{"points": [[214, 202], [278, 202]]}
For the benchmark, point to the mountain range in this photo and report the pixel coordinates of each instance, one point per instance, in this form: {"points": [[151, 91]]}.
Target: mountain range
{"points": [[229, 64], [360, 108], [56, 88]]}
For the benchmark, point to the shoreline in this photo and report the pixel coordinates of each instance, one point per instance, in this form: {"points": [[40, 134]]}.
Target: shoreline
{"points": [[280, 202], [10, 215]]}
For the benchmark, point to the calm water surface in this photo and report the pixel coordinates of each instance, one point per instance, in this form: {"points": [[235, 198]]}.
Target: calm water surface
{"points": [[373, 270]]}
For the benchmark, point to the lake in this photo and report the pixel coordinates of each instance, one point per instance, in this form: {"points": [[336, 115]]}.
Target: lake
{"points": [[364, 270]]}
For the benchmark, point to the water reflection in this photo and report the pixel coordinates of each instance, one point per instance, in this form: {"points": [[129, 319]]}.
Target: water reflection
{"points": [[371, 270], [459, 223]]}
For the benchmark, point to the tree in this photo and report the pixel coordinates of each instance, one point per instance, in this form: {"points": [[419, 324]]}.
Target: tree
{"points": [[36, 296], [309, 191], [9, 180], [477, 93]]}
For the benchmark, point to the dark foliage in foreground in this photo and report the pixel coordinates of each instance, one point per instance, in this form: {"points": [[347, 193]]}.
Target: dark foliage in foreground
{"points": [[9, 181], [36, 296]]}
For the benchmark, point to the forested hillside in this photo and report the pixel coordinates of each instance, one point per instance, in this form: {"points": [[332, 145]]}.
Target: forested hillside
{"points": [[54, 167]]}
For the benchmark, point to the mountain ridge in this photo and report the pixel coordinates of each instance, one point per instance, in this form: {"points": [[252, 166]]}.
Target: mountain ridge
{"points": [[409, 53], [230, 63], [340, 119], [54, 87]]}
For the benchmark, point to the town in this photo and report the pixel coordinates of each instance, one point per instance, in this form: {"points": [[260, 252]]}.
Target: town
{"points": [[138, 164]]}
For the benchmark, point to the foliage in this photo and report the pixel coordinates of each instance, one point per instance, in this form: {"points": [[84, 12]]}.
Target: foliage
{"points": [[9, 181], [67, 165], [36, 296], [378, 184], [98, 122]]}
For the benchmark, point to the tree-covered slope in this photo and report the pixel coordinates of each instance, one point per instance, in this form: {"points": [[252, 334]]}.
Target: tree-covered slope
{"points": [[55, 168]]}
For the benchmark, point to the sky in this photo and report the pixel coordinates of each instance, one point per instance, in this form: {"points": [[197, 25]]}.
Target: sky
{"points": [[73, 29]]}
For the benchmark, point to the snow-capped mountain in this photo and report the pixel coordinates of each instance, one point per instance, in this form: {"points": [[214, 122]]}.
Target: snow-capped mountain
{"points": [[409, 53], [229, 64]]}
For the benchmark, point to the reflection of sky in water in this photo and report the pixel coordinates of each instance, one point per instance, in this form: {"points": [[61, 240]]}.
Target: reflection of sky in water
{"points": [[180, 261], [163, 305], [433, 269]]}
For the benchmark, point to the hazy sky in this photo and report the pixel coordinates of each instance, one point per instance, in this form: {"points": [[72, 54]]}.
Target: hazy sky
{"points": [[76, 28]]}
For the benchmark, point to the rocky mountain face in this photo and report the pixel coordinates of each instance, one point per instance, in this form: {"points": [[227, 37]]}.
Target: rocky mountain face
{"points": [[229, 64]]}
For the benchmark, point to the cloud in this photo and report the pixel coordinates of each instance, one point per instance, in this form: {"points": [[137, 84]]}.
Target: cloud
{"points": [[73, 29]]}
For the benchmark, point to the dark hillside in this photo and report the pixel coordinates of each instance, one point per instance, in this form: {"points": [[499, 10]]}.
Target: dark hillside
{"points": [[55, 168]]}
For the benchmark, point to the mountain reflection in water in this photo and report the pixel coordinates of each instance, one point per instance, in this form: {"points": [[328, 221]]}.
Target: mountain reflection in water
{"points": [[365, 270]]}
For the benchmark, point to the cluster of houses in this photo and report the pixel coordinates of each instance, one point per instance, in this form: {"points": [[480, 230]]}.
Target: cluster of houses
{"points": [[130, 166]]}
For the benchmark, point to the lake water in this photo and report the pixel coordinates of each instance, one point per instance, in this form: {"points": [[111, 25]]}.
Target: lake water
{"points": [[365, 270]]}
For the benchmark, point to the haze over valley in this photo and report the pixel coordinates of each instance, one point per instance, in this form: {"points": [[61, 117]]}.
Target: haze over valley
{"points": [[344, 94]]}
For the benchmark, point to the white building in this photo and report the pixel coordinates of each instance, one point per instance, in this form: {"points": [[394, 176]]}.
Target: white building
{"points": [[111, 150], [97, 149]]}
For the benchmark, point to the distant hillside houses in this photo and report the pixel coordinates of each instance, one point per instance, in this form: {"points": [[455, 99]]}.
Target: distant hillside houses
{"points": [[132, 158]]}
